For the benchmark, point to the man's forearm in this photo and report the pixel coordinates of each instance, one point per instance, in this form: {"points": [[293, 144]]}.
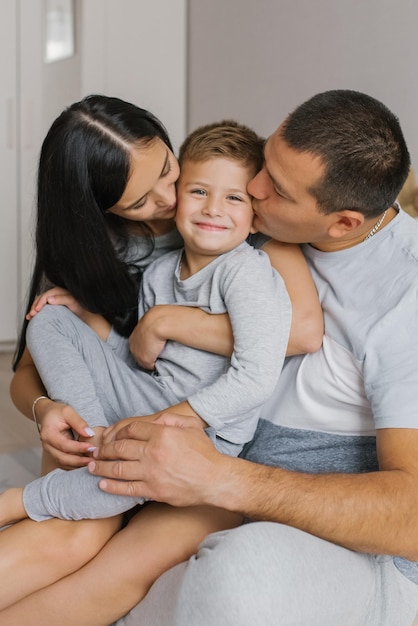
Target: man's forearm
{"points": [[364, 512], [373, 512]]}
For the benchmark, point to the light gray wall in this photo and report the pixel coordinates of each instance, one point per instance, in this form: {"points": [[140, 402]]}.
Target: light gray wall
{"points": [[256, 60], [136, 50]]}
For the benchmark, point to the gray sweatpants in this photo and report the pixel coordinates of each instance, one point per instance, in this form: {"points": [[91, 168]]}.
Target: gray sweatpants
{"points": [[101, 381], [266, 574]]}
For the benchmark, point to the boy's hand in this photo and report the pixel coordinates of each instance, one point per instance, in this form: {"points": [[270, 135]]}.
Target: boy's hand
{"points": [[167, 417], [146, 341]]}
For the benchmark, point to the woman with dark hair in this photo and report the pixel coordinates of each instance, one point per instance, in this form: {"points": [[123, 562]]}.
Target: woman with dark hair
{"points": [[106, 203]]}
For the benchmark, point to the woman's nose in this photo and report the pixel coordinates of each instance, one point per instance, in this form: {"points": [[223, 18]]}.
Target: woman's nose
{"points": [[165, 195]]}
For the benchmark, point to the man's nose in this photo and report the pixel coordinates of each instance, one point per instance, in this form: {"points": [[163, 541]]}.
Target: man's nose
{"points": [[257, 187]]}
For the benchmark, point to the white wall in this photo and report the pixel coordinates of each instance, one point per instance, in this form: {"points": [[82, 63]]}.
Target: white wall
{"points": [[257, 59], [136, 50]]}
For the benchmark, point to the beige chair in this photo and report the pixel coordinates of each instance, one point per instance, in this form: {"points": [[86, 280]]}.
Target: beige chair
{"points": [[408, 197]]}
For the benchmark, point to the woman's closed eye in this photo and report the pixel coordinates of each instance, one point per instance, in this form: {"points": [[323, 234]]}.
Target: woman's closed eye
{"points": [[140, 204], [167, 169]]}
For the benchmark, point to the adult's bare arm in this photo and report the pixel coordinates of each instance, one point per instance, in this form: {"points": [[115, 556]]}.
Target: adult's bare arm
{"points": [[307, 329], [26, 385], [57, 420], [187, 325], [374, 512], [211, 333]]}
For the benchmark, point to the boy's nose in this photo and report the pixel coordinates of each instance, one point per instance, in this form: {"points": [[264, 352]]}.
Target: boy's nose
{"points": [[212, 208]]}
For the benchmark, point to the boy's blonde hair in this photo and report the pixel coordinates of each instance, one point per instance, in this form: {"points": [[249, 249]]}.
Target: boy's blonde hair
{"points": [[227, 139]]}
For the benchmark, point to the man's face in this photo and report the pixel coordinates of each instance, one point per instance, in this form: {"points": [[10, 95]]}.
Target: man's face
{"points": [[283, 205]]}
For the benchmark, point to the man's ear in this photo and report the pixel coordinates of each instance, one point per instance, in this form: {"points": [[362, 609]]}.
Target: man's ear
{"points": [[345, 222]]}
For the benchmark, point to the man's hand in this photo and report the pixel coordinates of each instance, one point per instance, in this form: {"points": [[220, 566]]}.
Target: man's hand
{"points": [[174, 464]]}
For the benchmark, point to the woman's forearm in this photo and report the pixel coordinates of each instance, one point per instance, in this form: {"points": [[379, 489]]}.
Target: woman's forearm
{"points": [[26, 385], [189, 326]]}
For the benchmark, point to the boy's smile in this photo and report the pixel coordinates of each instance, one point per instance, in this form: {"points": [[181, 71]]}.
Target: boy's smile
{"points": [[214, 212]]}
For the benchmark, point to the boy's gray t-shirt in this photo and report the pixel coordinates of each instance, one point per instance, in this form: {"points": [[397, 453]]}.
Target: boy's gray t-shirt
{"points": [[242, 283]]}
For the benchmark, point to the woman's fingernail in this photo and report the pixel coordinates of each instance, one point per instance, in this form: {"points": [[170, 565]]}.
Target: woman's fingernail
{"points": [[89, 432], [91, 449], [91, 466]]}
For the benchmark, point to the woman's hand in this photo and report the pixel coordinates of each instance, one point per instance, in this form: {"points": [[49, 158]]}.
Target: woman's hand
{"points": [[56, 295], [62, 297], [57, 422]]}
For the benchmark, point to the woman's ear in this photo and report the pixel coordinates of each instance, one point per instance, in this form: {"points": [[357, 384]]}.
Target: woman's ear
{"points": [[346, 221]]}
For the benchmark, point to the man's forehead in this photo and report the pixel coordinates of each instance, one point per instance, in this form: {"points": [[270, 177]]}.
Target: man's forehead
{"points": [[287, 166], [272, 140]]}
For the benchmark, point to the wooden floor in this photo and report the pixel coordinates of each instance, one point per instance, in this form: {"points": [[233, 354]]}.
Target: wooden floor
{"points": [[16, 431]]}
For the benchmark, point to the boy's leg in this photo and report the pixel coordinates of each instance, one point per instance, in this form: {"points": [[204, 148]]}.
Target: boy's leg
{"points": [[266, 573], [35, 555], [80, 369], [72, 495]]}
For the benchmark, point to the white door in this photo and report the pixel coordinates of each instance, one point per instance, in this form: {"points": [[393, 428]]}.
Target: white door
{"points": [[35, 91], [8, 168]]}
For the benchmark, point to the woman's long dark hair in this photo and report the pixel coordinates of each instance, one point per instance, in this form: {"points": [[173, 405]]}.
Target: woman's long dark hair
{"points": [[83, 170]]}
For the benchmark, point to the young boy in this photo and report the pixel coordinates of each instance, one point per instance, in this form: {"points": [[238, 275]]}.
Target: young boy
{"points": [[216, 271]]}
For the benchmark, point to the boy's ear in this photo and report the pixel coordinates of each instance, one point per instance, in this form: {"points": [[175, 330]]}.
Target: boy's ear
{"points": [[345, 222]]}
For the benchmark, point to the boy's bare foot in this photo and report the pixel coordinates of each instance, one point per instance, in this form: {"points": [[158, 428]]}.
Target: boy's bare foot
{"points": [[11, 506]]}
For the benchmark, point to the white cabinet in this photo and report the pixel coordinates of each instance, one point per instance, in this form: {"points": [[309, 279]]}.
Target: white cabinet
{"points": [[32, 94], [9, 214], [135, 49]]}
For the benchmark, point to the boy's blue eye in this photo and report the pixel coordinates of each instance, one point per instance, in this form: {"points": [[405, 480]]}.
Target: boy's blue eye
{"points": [[198, 192]]}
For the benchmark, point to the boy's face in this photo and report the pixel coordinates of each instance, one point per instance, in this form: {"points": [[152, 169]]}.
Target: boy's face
{"points": [[214, 212]]}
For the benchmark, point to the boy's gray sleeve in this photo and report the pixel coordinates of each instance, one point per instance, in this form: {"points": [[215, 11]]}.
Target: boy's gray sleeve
{"points": [[260, 312]]}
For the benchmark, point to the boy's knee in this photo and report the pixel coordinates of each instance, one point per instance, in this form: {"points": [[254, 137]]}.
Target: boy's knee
{"points": [[46, 318]]}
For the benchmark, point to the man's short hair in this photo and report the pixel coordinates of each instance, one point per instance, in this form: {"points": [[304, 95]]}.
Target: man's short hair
{"points": [[361, 145]]}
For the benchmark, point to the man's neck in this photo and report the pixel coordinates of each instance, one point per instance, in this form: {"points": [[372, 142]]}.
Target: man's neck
{"points": [[357, 237]]}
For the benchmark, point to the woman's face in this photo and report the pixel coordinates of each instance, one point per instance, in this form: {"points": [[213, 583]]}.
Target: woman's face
{"points": [[150, 193]]}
